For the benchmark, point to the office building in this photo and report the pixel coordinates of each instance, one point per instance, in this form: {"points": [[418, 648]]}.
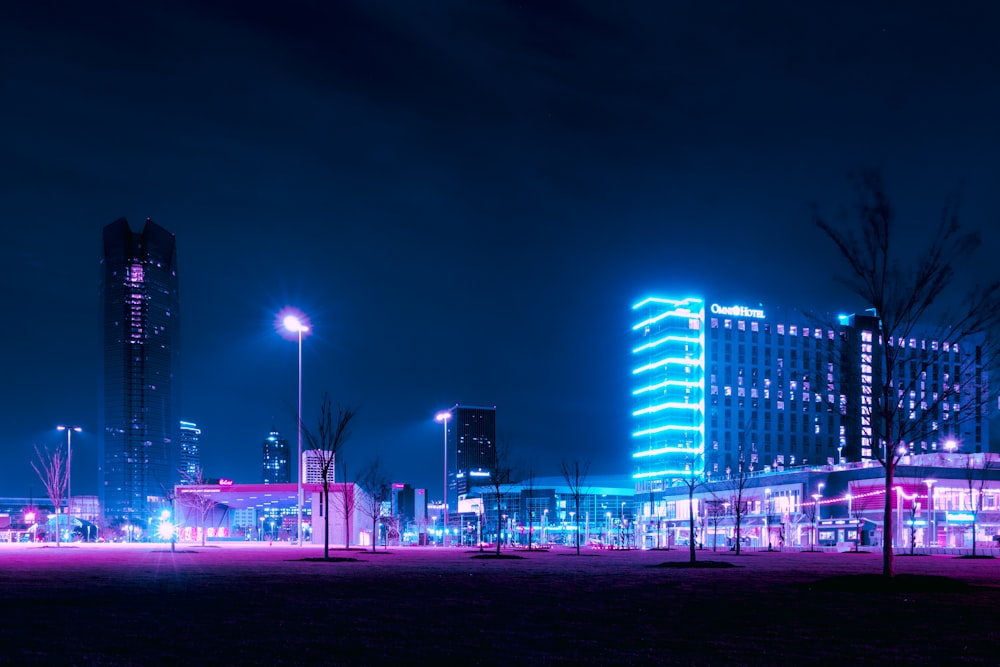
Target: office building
{"points": [[472, 453], [721, 388], [276, 460], [190, 453], [312, 466], [138, 442]]}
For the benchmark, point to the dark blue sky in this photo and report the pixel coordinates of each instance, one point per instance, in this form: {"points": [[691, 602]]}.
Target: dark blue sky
{"points": [[466, 197]]}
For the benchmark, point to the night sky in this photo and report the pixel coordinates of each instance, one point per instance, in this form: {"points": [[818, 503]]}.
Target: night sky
{"points": [[465, 197]]}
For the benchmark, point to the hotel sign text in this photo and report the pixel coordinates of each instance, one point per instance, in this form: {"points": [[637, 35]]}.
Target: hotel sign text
{"points": [[738, 311]]}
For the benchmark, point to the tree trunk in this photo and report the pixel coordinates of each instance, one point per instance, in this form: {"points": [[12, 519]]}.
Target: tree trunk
{"points": [[691, 522], [498, 520], [577, 532], [887, 564], [739, 539], [326, 521]]}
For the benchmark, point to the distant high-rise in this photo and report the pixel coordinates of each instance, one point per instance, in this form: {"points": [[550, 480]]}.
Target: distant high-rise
{"points": [[138, 447], [190, 454], [312, 466], [276, 460], [472, 453]]}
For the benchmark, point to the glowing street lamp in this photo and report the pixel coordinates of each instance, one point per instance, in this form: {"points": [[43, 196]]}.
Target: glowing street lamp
{"points": [[443, 417], [69, 472], [298, 325]]}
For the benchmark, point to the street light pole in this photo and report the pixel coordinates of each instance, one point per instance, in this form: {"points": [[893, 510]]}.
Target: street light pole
{"points": [[69, 471], [443, 417], [767, 511], [816, 497], [932, 535], [297, 326]]}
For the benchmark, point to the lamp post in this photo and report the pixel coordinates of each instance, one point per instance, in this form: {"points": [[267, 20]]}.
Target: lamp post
{"points": [[295, 325], [443, 417], [932, 536], [816, 497], [69, 472], [767, 511]]}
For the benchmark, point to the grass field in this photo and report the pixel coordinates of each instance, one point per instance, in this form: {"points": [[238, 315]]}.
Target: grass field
{"points": [[241, 605]]}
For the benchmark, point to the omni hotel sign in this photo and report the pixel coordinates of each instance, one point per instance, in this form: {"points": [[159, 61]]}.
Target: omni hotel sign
{"points": [[738, 311]]}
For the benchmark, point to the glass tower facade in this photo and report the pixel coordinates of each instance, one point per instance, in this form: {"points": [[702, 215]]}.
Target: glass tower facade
{"points": [[138, 446], [668, 396]]}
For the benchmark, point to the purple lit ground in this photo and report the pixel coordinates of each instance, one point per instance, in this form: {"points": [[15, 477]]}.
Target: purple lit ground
{"points": [[238, 605]]}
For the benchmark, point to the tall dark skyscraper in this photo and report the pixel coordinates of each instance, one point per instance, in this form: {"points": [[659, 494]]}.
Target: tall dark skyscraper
{"points": [[276, 460], [472, 436], [138, 443]]}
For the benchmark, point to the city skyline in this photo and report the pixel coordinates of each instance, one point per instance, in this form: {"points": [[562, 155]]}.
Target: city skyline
{"points": [[464, 199]]}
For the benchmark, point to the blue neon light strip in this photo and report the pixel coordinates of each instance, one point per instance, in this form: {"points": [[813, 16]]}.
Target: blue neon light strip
{"points": [[668, 383], [686, 314], [672, 302], [663, 473], [666, 406], [669, 450], [671, 360], [668, 427], [666, 339]]}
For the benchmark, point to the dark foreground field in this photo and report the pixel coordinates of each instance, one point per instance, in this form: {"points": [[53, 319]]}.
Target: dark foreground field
{"points": [[114, 605]]}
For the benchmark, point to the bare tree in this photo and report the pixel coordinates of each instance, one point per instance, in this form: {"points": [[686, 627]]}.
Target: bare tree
{"points": [[375, 484], [54, 474], [575, 474], [715, 509], [332, 432], [692, 478], [975, 477], [905, 293], [196, 499], [501, 478], [736, 485]]}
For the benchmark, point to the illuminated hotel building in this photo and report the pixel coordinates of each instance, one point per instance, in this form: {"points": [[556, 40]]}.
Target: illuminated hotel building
{"points": [[138, 441], [717, 386]]}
